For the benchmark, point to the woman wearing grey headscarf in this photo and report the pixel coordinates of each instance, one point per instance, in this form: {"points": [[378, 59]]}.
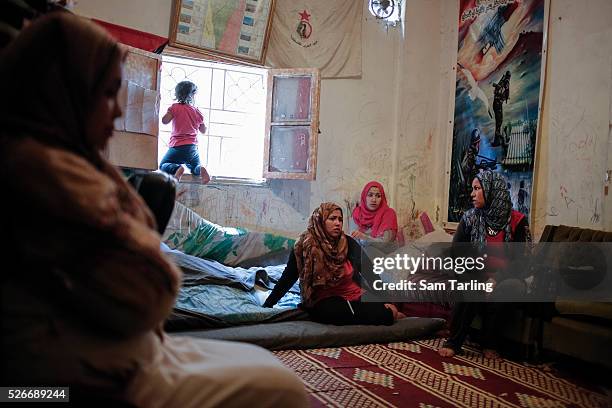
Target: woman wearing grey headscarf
{"points": [[491, 220]]}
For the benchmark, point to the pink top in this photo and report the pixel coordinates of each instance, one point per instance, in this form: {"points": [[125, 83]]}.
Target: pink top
{"points": [[186, 119]]}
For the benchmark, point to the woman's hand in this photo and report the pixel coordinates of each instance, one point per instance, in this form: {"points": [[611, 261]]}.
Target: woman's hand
{"points": [[358, 235]]}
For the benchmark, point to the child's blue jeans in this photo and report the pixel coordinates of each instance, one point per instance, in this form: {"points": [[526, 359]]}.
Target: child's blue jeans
{"points": [[185, 154]]}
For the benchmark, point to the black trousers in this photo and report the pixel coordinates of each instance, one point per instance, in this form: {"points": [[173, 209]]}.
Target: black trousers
{"points": [[462, 317], [493, 315], [339, 311]]}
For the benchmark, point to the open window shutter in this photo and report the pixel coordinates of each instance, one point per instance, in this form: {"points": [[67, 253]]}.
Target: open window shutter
{"points": [[134, 141], [292, 124]]}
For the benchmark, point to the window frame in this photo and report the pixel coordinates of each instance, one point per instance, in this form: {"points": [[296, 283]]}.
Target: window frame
{"points": [[312, 123], [193, 60], [130, 149]]}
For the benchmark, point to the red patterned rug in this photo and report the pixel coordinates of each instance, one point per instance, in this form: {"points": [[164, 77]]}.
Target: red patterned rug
{"points": [[413, 375]]}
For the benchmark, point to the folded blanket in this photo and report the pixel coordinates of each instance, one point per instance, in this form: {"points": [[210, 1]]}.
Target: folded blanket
{"points": [[198, 271]]}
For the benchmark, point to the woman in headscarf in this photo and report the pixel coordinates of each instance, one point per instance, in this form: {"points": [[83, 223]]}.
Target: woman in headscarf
{"points": [[492, 220], [85, 301], [375, 220], [328, 264]]}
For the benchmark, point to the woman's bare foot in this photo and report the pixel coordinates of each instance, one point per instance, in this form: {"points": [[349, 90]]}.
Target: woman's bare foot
{"points": [[204, 174], [446, 352], [393, 310], [490, 353], [179, 173], [444, 333]]}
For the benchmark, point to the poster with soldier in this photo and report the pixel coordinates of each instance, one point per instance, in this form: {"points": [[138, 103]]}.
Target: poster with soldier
{"points": [[497, 98]]}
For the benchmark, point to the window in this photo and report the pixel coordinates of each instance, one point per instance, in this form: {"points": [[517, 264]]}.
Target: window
{"points": [[257, 119], [292, 124], [233, 102]]}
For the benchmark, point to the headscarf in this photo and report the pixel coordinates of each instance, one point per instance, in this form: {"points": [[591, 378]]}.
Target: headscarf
{"points": [[497, 208], [55, 71], [381, 220], [72, 213], [320, 258]]}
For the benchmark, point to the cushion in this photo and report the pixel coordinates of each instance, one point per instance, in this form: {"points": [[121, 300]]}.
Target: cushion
{"points": [[595, 309], [563, 233], [308, 334], [438, 235]]}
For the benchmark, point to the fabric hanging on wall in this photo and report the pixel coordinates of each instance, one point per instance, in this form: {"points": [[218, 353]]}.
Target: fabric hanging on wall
{"points": [[324, 34], [129, 36]]}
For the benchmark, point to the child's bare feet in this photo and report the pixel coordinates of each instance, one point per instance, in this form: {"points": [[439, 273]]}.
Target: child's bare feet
{"points": [[446, 352], [490, 353], [179, 173], [204, 174]]}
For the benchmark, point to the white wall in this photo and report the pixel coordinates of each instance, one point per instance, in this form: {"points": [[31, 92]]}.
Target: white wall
{"points": [[420, 162], [395, 123], [574, 146], [151, 16]]}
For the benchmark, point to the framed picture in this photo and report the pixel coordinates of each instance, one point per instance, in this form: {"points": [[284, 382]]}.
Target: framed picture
{"points": [[230, 29]]}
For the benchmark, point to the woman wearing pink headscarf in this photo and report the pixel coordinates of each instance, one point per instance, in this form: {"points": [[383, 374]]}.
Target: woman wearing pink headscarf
{"points": [[375, 220]]}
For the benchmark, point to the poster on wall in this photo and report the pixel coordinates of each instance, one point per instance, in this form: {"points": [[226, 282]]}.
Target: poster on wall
{"points": [[497, 97]]}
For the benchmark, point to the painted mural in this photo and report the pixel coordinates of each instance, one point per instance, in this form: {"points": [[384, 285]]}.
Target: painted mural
{"points": [[497, 97]]}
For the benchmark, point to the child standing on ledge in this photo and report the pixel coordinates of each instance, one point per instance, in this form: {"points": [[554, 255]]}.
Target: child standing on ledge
{"points": [[186, 121]]}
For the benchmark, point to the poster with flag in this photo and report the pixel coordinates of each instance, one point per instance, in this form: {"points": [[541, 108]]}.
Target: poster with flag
{"points": [[497, 98], [324, 34]]}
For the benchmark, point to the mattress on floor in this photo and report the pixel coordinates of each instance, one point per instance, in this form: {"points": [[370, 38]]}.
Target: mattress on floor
{"points": [[308, 334]]}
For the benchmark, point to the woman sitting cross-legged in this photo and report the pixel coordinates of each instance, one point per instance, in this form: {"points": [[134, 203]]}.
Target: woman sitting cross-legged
{"points": [[491, 221], [374, 219], [328, 264]]}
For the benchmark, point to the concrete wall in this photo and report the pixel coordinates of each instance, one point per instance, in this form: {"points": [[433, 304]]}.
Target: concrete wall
{"points": [[395, 123]]}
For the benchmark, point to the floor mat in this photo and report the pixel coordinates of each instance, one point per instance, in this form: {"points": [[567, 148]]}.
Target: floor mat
{"points": [[411, 374]]}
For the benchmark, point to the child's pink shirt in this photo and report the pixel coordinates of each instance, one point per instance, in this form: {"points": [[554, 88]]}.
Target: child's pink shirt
{"points": [[186, 119]]}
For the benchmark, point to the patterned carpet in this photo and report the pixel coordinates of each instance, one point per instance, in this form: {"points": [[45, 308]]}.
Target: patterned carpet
{"points": [[413, 375]]}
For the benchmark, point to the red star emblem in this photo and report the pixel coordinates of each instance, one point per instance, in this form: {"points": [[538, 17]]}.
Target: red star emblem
{"points": [[304, 15]]}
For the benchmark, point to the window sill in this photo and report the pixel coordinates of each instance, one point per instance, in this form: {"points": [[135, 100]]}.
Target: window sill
{"points": [[223, 181]]}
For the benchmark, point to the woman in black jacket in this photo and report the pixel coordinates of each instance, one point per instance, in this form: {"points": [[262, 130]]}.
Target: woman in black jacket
{"points": [[491, 222], [329, 266]]}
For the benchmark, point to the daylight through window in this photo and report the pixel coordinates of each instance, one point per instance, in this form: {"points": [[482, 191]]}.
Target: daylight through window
{"points": [[233, 102]]}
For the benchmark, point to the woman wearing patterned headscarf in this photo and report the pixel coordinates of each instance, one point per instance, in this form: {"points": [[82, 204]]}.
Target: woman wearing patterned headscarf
{"points": [[328, 265], [492, 220], [89, 289], [375, 220]]}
